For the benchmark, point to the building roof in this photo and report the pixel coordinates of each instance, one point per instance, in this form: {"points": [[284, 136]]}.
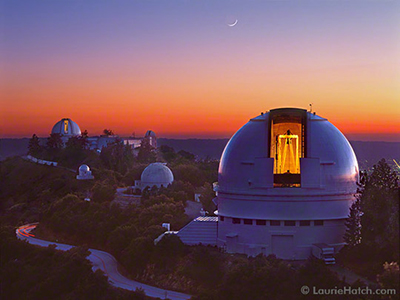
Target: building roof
{"points": [[202, 230], [206, 219], [84, 168], [157, 174], [150, 133], [329, 162], [66, 127]]}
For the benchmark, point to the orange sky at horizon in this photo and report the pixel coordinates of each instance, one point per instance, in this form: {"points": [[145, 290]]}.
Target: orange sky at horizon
{"points": [[182, 72], [194, 125], [201, 107]]}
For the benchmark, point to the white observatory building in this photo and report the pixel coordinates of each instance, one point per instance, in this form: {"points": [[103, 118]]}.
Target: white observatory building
{"points": [[286, 180], [84, 173], [156, 174]]}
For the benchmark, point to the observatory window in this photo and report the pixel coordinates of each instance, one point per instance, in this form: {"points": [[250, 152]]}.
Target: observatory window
{"points": [[248, 221], [65, 126], [287, 146], [305, 223], [318, 223], [261, 222], [275, 223], [235, 221], [290, 223]]}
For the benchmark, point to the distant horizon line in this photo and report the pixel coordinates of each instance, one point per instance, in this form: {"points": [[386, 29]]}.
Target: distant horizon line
{"points": [[198, 138]]}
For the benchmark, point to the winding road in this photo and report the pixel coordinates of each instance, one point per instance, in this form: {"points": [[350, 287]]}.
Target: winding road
{"points": [[105, 262]]}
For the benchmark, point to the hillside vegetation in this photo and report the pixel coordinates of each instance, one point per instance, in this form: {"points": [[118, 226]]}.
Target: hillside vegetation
{"points": [[53, 197]]}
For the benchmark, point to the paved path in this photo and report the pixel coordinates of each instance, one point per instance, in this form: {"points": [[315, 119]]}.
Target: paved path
{"points": [[105, 262], [349, 275]]}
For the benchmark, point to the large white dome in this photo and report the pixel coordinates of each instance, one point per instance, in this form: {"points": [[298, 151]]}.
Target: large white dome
{"points": [[328, 162], [66, 127], [284, 171], [156, 174]]}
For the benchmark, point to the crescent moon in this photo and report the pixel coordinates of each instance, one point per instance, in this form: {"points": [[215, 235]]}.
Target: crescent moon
{"points": [[234, 23]]}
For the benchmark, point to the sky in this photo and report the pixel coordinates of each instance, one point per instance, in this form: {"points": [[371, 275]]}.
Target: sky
{"points": [[179, 69]]}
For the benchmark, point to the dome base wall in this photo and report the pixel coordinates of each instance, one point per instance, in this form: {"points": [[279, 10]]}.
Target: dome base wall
{"points": [[286, 242]]}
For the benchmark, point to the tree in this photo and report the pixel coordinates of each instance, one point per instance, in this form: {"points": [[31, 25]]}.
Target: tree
{"points": [[190, 173], [167, 251], [187, 155], [203, 266], [353, 225], [53, 147], [117, 156], [258, 278], [108, 132], [166, 149], [103, 192], [207, 195], [78, 142], [54, 141], [383, 177], [34, 147], [146, 152], [389, 279], [30, 272], [121, 237], [84, 139], [138, 253], [182, 186], [168, 153], [74, 143], [379, 202], [74, 152], [134, 172], [156, 200]]}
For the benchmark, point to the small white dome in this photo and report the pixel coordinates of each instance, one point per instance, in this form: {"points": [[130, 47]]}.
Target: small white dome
{"points": [[156, 174], [84, 168], [84, 173], [66, 127]]}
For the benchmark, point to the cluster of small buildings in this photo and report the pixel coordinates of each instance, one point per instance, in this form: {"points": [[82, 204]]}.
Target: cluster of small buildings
{"points": [[156, 174], [67, 128]]}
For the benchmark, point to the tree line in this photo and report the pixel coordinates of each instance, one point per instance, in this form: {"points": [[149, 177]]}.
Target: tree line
{"points": [[372, 234]]}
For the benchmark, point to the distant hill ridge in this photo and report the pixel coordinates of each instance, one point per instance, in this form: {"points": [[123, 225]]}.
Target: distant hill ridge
{"points": [[212, 148], [203, 148]]}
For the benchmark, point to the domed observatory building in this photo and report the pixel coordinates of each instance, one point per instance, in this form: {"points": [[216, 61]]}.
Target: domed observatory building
{"points": [[84, 173], [66, 128], [156, 174], [286, 181], [151, 137]]}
